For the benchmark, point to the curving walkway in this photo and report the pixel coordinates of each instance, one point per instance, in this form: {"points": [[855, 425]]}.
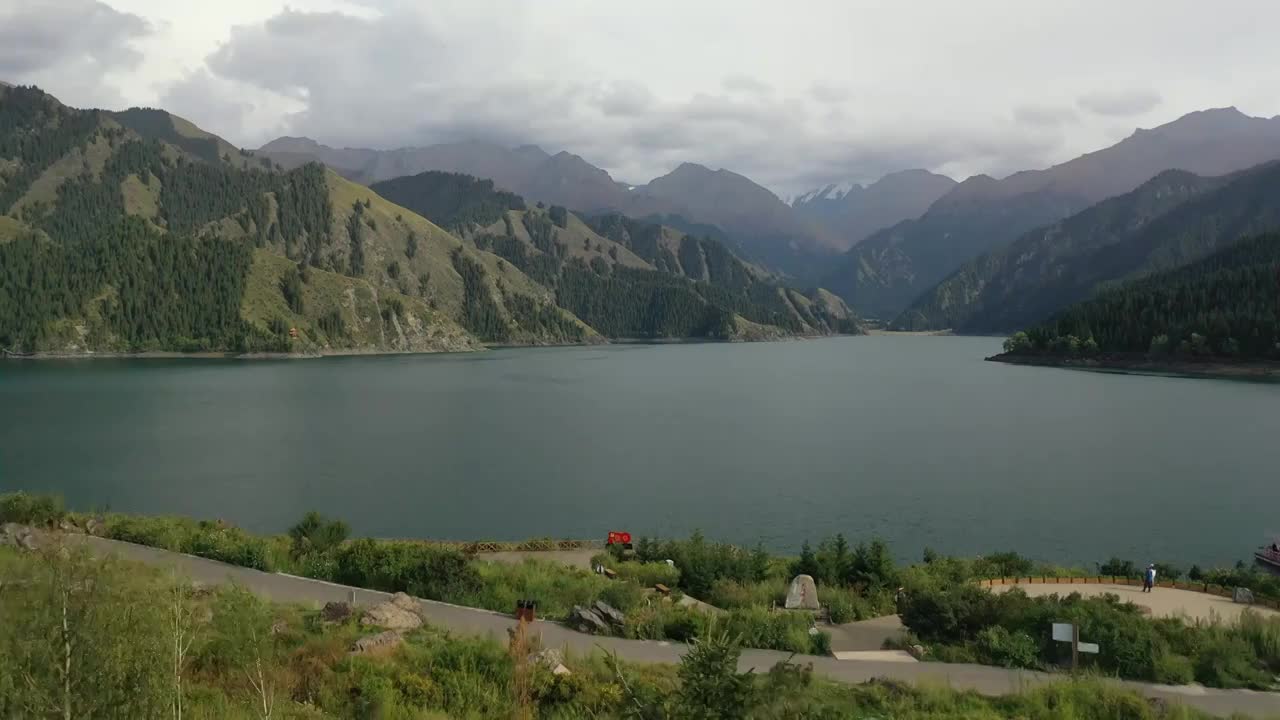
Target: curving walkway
{"points": [[1162, 601], [463, 620]]}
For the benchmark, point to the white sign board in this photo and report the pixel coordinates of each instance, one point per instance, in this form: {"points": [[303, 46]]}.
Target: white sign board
{"points": [[1087, 647], [1062, 632]]}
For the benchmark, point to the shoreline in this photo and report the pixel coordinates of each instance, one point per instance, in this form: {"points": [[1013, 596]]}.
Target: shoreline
{"points": [[1142, 365], [47, 355]]}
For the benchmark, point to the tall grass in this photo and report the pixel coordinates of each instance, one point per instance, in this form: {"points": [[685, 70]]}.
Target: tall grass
{"points": [[554, 586]]}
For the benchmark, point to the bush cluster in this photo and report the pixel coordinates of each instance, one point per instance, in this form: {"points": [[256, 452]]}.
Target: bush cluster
{"points": [[965, 623]]}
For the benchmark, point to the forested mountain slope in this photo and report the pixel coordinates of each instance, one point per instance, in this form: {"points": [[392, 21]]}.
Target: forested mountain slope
{"points": [[1226, 305], [1172, 219], [763, 227], [136, 231], [886, 272], [624, 277]]}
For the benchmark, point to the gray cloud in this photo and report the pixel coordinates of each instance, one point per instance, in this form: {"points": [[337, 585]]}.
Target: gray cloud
{"points": [[69, 44], [1044, 115], [746, 84], [396, 79], [828, 94], [1119, 103]]}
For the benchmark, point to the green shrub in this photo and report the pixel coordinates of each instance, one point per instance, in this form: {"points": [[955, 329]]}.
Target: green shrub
{"points": [[647, 574], [20, 507], [1010, 649], [1228, 661], [203, 538], [701, 563], [316, 534], [771, 630], [1173, 669], [424, 571], [710, 685], [664, 621], [729, 594], [840, 609], [1263, 633], [554, 586]]}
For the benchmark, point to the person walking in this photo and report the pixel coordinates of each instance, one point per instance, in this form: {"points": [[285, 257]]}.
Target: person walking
{"points": [[1149, 578]]}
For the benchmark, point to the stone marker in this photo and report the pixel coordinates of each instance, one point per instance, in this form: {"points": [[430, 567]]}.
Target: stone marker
{"points": [[803, 594], [1242, 595]]}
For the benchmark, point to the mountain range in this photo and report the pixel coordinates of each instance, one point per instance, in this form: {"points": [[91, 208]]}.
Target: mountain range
{"points": [[1173, 219], [851, 212], [883, 274], [137, 230], [755, 221]]}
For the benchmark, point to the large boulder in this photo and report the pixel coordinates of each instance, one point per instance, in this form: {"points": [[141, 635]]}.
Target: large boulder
{"points": [[1242, 595], [609, 614], [19, 536], [398, 613], [586, 620], [803, 594], [383, 642], [548, 658]]}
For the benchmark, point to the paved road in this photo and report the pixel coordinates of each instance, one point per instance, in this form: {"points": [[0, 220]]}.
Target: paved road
{"points": [[1163, 602], [865, 635], [987, 680]]}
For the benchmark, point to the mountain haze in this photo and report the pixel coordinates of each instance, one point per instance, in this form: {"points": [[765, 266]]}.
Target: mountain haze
{"points": [[887, 271]]}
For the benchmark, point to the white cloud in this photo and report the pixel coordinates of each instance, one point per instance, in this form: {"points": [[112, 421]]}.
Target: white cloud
{"points": [[793, 94]]}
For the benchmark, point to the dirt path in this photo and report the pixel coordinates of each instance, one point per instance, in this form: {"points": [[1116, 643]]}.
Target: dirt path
{"points": [[572, 558], [1163, 602], [471, 621]]}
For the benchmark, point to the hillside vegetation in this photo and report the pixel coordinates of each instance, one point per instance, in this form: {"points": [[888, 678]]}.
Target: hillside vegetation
{"points": [[139, 644], [137, 231], [885, 274], [1225, 306], [623, 277], [1175, 218]]}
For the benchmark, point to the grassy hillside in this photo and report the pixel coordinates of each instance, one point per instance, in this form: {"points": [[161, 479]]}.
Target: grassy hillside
{"points": [[146, 233]]}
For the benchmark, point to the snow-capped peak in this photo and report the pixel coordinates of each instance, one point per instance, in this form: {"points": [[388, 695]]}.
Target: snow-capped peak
{"points": [[834, 191]]}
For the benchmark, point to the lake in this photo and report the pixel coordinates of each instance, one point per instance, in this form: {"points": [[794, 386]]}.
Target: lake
{"points": [[913, 439]]}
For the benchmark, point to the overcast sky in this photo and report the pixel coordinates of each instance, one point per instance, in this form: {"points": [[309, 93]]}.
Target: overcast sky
{"points": [[792, 93]]}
